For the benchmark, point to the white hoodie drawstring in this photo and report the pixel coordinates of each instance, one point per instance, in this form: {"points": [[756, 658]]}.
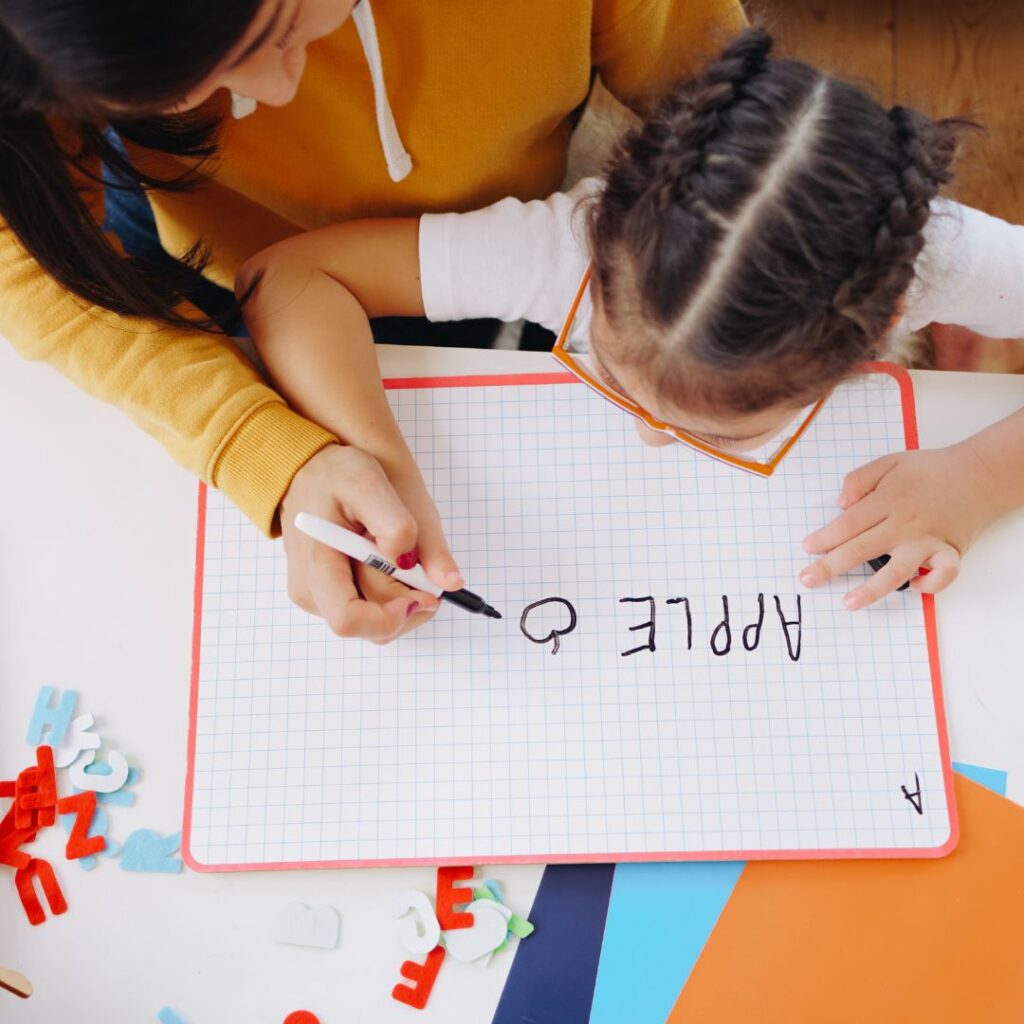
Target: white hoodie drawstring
{"points": [[395, 155], [398, 160]]}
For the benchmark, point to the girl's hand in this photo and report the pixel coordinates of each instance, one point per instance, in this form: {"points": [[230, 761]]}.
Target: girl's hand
{"points": [[923, 508], [349, 487]]}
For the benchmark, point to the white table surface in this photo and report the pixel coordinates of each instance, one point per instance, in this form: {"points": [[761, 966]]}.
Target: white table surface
{"points": [[96, 573]]}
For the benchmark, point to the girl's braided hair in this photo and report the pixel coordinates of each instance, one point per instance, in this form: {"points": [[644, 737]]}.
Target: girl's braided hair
{"points": [[755, 237]]}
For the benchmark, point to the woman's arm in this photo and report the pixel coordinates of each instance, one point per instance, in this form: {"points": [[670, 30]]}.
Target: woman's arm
{"points": [[308, 317], [206, 403], [307, 314], [194, 392], [312, 294]]}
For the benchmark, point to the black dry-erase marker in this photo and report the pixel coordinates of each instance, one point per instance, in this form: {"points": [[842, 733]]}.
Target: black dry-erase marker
{"points": [[880, 563], [359, 548]]}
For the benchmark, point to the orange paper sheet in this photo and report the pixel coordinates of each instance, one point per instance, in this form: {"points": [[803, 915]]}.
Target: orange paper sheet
{"points": [[885, 941]]}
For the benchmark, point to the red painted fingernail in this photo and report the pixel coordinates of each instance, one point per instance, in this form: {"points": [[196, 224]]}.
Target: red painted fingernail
{"points": [[411, 610], [409, 560]]}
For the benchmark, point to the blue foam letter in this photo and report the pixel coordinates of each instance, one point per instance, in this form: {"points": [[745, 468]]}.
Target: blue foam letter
{"points": [[55, 720]]}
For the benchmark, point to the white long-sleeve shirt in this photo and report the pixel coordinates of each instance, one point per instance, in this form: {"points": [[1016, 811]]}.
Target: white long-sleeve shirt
{"points": [[517, 260]]}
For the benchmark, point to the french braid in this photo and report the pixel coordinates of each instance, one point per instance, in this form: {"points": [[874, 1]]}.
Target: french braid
{"points": [[754, 238], [654, 175], [889, 268]]}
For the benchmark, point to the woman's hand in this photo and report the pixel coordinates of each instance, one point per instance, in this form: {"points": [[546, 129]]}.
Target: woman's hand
{"points": [[922, 508], [349, 487]]}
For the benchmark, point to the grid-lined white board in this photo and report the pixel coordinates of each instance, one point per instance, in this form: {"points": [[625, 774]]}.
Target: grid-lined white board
{"points": [[468, 740]]}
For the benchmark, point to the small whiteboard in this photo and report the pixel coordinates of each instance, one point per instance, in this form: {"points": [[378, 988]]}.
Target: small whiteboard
{"points": [[660, 687]]}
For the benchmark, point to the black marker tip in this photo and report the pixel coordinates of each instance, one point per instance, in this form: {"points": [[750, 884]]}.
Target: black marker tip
{"points": [[471, 602]]}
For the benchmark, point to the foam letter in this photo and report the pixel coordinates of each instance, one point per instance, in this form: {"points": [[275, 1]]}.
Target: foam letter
{"points": [[80, 843], [146, 850], [53, 721], [423, 976], [490, 928], [81, 737], [51, 890], [36, 790], [422, 932], [100, 827], [448, 897], [82, 778], [11, 841]]}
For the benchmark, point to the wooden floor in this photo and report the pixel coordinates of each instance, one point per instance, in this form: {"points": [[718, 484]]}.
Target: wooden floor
{"points": [[945, 57]]}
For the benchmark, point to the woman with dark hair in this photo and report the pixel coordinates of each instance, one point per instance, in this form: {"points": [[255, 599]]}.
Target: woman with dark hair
{"points": [[446, 105]]}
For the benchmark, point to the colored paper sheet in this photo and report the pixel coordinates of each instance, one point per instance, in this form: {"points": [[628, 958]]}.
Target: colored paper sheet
{"points": [[552, 976], [990, 778], [852, 941], [659, 917]]}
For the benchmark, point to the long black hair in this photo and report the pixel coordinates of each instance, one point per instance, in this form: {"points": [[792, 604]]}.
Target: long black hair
{"points": [[71, 69]]}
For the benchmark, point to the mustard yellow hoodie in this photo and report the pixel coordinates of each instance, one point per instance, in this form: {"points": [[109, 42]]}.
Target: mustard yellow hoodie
{"points": [[482, 95]]}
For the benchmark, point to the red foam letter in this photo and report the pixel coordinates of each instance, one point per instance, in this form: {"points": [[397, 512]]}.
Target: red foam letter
{"points": [[448, 897], [51, 890], [11, 838], [36, 790], [423, 977], [80, 844]]}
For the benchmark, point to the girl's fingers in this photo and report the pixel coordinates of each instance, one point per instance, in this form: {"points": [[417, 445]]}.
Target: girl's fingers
{"points": [[416, 620], [366, 496], [863, 516], [432, 551], [857, 551], [379, 588], [340, 605], [902, 566], [436, 557], [944, 566], [864, 480]]}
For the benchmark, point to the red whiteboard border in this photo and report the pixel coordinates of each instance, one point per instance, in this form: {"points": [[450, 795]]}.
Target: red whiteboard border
{"points": [[906, 387]]}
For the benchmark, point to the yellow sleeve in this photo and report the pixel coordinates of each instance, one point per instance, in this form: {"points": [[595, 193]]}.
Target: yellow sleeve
{"points": [[194, 392], [643, 47]]}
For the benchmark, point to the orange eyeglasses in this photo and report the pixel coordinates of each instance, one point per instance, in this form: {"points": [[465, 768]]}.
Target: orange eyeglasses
{"points": [[772, 454]]}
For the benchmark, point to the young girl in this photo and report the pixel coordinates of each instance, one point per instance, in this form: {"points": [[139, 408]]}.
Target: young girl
{"points": [[757, 238]]}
